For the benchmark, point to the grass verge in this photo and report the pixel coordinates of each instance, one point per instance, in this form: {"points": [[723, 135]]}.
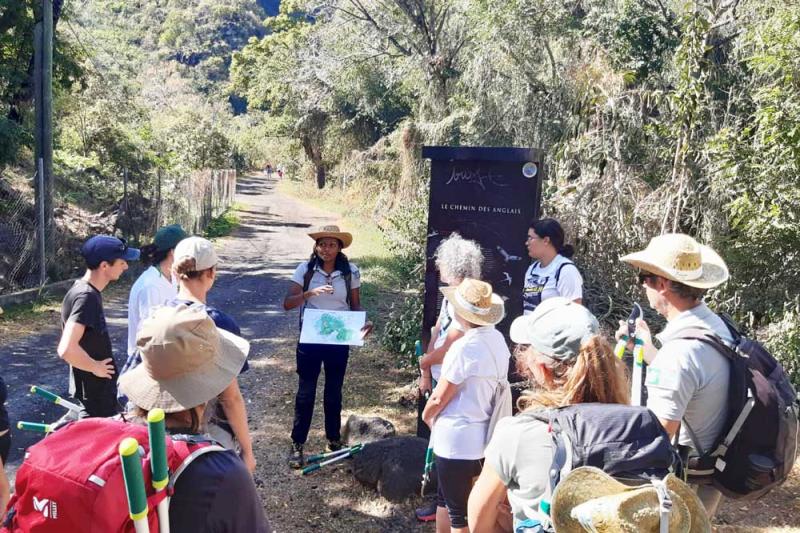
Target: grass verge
{"points": [[224, 224]]}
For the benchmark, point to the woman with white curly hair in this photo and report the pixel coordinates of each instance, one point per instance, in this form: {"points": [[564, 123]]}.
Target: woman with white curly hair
{"points": [[456, 259]]}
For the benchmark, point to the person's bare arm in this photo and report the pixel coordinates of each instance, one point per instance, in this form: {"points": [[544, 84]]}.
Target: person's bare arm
{"points": [[670, 426], [486, 502], [236, 413], [69, 349], [439, 399], [5, 491], [355, 305], [437, 356], [295, 297]]}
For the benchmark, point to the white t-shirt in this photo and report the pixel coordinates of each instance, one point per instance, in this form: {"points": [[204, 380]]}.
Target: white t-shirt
{"points": [[540, 283], [474, 363], [151, 290], [447, 321], [689, 379], [331, 302]]}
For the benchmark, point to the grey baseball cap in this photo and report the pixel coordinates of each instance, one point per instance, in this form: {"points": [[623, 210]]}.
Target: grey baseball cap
{"points": [[556, 328]]}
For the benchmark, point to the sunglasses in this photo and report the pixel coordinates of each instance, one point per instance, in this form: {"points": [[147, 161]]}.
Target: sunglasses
{"points": [[645, 277]]}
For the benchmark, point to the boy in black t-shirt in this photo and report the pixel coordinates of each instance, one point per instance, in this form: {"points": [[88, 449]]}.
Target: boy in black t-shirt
{"points": [[85, 343]]}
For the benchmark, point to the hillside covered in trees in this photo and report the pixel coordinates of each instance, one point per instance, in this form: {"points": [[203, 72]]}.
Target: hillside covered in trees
{"points": [[656, 115]]}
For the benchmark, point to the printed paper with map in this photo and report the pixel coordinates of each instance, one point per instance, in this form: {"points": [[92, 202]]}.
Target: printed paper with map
{"points": [[321, 326]]}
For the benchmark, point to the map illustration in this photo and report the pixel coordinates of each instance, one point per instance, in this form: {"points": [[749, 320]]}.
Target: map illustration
{"points": [[322, 326]]}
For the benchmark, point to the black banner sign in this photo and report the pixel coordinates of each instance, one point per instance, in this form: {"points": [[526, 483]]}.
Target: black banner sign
{"points": [[489, 195]]}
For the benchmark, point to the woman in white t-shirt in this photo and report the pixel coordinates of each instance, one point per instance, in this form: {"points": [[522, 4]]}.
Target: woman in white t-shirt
{"points": [[456, 259], [461, 406], [566, 355], [551, 273], [155, 286], [328, 280]]}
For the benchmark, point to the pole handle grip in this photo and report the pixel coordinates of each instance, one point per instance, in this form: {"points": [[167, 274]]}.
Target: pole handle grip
{"points": [[35, 426], [311, 468]]}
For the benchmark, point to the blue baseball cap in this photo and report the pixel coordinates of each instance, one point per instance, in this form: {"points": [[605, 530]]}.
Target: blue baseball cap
{"points": [[107, 248]]}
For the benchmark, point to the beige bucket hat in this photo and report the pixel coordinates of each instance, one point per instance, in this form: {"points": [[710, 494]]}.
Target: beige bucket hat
{"points": [[591, 496], [186, 360], [680, 258], [332, 231], [474, 301]]}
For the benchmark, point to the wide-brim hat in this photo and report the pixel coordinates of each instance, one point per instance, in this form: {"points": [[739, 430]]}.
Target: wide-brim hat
{"points": [[332, 231], [474, 301], [680, 258], [186, 360], [591, 496]]}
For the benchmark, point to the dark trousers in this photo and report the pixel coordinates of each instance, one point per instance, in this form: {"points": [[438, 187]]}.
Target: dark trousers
{"points": [[455, 478], [310, 359]]}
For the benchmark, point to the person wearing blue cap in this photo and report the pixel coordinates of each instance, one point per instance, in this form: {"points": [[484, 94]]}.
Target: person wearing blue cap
{"points": [[85, 343]]}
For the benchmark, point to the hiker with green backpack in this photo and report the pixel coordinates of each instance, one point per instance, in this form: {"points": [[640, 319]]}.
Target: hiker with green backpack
{"points": [[728, 401], [328, 280]]}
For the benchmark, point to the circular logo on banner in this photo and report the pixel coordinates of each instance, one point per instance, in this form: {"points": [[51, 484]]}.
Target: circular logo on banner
{"points": [[529, 170]]}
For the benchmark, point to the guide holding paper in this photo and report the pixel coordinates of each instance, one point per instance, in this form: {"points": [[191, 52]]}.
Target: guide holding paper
{"points": [[329, 281]]}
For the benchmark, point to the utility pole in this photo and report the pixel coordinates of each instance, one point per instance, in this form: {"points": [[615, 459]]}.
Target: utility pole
{"points": [[43, 96]]}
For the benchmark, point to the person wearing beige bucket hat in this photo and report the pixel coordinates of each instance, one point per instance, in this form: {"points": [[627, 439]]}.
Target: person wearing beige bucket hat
{"points": [[328, 280], [187, 363], [588, 499], [472, 395], [563, 352], [687, 380]]}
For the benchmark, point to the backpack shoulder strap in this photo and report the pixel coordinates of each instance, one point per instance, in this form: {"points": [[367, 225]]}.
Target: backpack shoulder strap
{"points": [[308, 275], [707, 336], [560, 268], [348, 281], [189, 448]]}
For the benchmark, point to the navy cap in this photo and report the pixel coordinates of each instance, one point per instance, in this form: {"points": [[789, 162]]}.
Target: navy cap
{"points": [[107, 248]]}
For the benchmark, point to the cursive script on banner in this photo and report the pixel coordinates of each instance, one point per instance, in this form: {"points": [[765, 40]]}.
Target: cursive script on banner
{"points": [[476, 176]]}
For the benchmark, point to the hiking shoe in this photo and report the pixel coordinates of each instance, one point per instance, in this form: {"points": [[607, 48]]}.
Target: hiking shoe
{"points": [[335, 445], [296, 457], [426, 513]]}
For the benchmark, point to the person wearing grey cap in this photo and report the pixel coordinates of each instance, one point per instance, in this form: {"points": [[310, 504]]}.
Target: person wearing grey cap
{"points": [[562, 351]]}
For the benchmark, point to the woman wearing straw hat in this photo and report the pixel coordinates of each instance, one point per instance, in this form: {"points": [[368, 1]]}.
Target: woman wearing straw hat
{"points": [[328, 280], [187, 363], [461, 407], [564, 353], [155, 286], [552, 273]]}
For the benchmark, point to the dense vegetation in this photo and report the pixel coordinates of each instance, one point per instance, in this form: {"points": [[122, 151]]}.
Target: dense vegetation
{"points": [[656, 115]]}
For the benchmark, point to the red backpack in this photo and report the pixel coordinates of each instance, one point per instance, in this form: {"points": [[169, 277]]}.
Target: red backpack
{"points": [[72, 479]]}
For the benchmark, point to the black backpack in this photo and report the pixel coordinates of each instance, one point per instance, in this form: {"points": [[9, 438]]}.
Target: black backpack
{"points": [[757, 446]]}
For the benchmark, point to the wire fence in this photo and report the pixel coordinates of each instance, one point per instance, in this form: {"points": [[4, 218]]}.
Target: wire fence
{"points": [[191, 201]]}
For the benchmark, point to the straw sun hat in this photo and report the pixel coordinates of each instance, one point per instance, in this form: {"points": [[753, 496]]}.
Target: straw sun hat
{"points": [[591, 496], [332, 231], [680, 258], [186, 360], [474, 301]]}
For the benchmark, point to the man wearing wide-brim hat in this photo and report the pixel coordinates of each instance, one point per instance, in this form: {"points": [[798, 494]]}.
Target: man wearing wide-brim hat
{"points": [[687, 379]]}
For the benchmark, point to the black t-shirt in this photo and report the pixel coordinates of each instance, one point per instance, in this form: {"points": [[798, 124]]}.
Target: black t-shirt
{"points": [[84, 305], [216, 494]]}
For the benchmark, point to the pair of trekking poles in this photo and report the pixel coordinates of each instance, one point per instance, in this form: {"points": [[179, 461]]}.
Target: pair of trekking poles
{"points": [[131, 459]]}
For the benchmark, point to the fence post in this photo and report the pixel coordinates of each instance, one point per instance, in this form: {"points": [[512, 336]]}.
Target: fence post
{"points": [[41, 223]]}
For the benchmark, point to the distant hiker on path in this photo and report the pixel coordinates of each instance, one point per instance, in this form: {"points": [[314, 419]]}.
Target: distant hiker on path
{"points": [[85, 343], [687, 380], [551, 273], [328, 280]]}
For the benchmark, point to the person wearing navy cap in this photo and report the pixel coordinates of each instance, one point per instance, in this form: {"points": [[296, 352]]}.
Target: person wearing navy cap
{"points": [[85, 343]]}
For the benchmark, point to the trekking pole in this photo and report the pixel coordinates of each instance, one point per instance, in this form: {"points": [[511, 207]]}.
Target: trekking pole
{"points": [[34, 426], [426, 472], [351, 452], [134, 483], [322, 456], [56, 399], [638, 353], [158, 464]]}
